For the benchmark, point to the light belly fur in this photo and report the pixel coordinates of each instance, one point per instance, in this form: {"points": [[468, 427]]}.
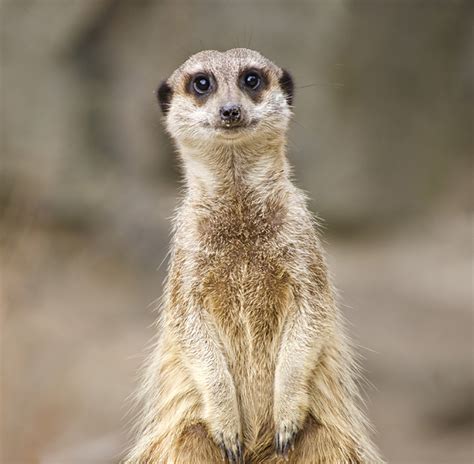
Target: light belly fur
{"points": [[248, 302]]}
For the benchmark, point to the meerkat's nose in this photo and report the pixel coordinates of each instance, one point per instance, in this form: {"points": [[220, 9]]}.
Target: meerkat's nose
{"points": [[230, 114]]}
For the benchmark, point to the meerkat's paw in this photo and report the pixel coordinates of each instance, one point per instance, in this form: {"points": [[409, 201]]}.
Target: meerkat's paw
{"points": [[285, 437], [226, 431], [231, 447], [290, 416]]}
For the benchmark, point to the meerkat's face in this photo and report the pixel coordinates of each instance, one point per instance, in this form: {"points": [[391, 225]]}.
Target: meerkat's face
{"points": [[226, 98]]}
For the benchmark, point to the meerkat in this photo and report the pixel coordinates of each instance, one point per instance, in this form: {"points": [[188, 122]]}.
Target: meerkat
{"points": [[251, 364]]}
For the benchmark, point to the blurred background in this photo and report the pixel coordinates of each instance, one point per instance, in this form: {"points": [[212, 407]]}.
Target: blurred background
{"points": [[381, 140]]}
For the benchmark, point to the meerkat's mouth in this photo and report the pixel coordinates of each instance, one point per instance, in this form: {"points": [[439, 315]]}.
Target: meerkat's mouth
{"points": [[233, 131]]}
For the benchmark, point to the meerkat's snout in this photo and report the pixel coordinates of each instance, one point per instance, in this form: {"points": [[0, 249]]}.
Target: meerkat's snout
{"points": [[231, 115]]}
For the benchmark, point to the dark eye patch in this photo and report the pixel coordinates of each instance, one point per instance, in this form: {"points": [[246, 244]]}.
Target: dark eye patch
{"points": [[253, 81], [201, 84]]}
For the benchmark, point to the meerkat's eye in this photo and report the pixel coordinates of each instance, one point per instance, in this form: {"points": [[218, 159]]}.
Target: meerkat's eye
{"points": [[201, 84], [252, 80]]}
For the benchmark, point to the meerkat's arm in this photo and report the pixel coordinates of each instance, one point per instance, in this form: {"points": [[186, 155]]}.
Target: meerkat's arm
{"points": [[301, 343], [204, 356]]}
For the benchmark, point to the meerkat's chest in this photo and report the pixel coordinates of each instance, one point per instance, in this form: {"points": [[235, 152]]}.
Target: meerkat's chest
{"points": [[246, 288]]}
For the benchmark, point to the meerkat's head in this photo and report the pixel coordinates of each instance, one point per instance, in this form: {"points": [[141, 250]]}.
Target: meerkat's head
{"points": [[230, 97]]}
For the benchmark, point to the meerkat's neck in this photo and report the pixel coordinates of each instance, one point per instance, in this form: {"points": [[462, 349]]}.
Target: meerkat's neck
{"points": [[235, 169]]}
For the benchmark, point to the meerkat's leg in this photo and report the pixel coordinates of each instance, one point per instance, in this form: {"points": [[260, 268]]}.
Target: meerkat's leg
{"points": [[171, 430], [182, 423], [301, 343], [191, 444], [204, 357], [194, 445], [331, 432]]}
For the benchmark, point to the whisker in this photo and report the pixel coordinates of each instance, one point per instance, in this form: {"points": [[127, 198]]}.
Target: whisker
{"points": [[322, 84], [301, 125], [250, 38]]}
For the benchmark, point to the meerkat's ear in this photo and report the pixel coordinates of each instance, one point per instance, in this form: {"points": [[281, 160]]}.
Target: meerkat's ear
{"points": [[287, 85], [164, 94]]}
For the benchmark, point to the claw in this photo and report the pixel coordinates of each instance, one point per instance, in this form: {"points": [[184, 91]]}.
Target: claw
{"points": [[285, 441], [222, 447], [239, 450], [231, 453]]}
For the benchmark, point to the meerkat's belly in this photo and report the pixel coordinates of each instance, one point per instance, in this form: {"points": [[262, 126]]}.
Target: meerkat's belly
{"points": [[248, 300]]}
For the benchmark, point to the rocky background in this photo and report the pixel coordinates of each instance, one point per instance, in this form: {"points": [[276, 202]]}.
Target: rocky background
{"points": [[381, 140]]}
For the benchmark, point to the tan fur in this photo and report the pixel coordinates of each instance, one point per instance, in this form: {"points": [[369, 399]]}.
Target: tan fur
{"points": [[251, 344]]}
